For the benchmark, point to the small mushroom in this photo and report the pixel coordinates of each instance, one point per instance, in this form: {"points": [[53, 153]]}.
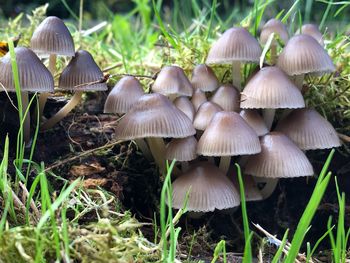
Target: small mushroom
{"points": [[186, 106], [313, 31], [253, 118], [182, 150], [198, 98], [227, 97], [204, 78], [204, 115]]}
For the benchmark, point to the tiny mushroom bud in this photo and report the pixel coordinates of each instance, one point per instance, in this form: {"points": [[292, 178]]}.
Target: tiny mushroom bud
{"points": [[227, 97], [203, 78], [204, 115]]}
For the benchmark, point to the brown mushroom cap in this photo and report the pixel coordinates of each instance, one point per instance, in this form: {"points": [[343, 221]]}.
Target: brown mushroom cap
{"points": [[227, 97], [172, 81], [82, 74], [227, 135], [204, 115], [271, 88], [198, 98], [186, 106], [280, 157], [33, 75], [208, 189], [153, 115], [274, 26], [52, 37], [124, 95], [236, 44], [203, 78], [313, 31], [182, 149], [302, 55], [309, 130], [253, 118]]}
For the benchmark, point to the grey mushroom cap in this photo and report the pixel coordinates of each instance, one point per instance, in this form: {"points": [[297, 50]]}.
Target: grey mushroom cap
{"points": [[181, 149], [227, 97], [274, 26], [52, 37], [33, 75], [204, 78], [312, 30]]}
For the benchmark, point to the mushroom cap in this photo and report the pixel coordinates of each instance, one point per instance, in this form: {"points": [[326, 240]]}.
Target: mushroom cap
{"points": [[82, 74], [204, 115], [172, 80], [33, 75], [52, 37], [271, 88], [309, 130], [186, 106], [253, 118], [236, 44], [208, 189], [251, 191], [198, 98], [280, 157], [313, 31], [274, 26], [227, 135], [302, 55], [182, 149], [227, 97], [153, 115], [204, 78], [123, 95]]}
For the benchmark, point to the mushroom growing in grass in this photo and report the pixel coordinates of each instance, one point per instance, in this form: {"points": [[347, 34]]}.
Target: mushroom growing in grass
{"points": [[81, 74], [182, 150], [154, 117], [253, 118], [313, 31], [204, 115], [207, 188], [204, 78], [227, 97], [33, 77], [51, 38], [234, 47]]}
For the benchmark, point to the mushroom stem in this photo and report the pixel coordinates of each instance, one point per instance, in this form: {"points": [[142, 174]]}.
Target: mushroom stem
{"points": [[157, 148], [43, 96], [236, 74], [273, 54], [144, 149], [269, 115], [298, 80], [269, 187], [225, 163], [63, 112], [26, 121]]}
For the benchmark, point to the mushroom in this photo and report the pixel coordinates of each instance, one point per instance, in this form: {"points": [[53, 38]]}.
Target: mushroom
{"points": [[182, 150], [186, 106], [203, 78], [33, 77], [253, 118], [204, 115], [198, 98], [251, 191], [227, 97], [81, 74], [313, 31], [235, 46]]}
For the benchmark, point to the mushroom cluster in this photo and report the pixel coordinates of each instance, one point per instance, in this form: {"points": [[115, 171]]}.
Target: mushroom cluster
{"points": [[202, 123]]}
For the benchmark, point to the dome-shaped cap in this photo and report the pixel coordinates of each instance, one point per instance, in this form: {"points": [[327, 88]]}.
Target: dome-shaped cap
{"points": [[204, 115], [313, 31], [186, 106], [153, 115], [203, 78], [124, 95], [274, 26], [302, 55], [182, 149], [172, 80], [52, 37], [309, 130], [271, 88], [279, 158], [227, 135], [253, 118], [198, 98], [208, 189], [33, 75], [227, 97], [82, 73], [236, 44]]}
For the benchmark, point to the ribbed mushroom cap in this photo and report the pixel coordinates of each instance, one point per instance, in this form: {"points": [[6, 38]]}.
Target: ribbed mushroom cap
{"points": [[309, 130], [274, 26], [236, 44], [182, 149], [172, 80], [52, 37], [153, 115], [227, 135], [208, 189], [271, 88], [203, 78], [280, 157], [33, 75], [204, 115], [313, 31], [82, 74], [227, 97], [186, 106], [124, 95], [198, 98], [302, 55], [253, 118], [251, 191]]}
